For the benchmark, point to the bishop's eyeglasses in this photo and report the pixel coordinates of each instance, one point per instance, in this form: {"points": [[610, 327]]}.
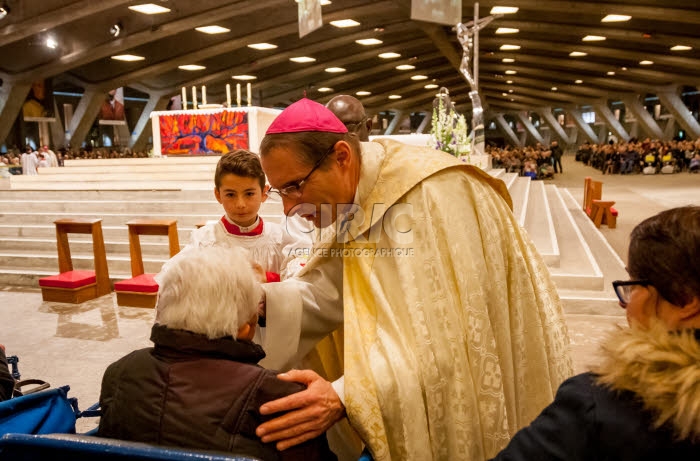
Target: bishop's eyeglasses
{"points": [[293, 190]]}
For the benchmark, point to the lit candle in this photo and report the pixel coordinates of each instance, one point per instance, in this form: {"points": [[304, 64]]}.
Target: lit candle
{"points": [[204, 95], [250, 102], [228, 95], [194, 97], [238, 94], [184, 98]]}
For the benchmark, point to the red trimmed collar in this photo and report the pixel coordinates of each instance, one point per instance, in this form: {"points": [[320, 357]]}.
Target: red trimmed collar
{"points": [[236, 230]]}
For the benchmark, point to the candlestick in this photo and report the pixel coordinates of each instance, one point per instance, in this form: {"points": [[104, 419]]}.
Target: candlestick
{"points": [[204, 95], [228, 95], [184, 98], [248, 87], [194, 97], [238, 95]]}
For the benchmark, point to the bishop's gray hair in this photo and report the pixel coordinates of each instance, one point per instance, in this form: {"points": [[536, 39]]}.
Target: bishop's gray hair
{"points": [[210, 291]]}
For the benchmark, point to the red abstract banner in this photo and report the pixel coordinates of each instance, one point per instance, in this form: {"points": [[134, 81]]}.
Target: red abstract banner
{"points": [[203, 134]]}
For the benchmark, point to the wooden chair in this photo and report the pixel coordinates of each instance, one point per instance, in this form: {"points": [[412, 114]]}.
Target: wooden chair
{"points": [[600, 211], [71, 286], [141, 290]]}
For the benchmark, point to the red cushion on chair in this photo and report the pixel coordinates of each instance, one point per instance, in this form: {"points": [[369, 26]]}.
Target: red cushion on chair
{"points": [[613, 211], [71, 279], [144, 283]]}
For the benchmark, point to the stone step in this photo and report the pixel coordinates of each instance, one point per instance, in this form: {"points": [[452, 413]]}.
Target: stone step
{"points": [[46, 261], [29, 277], [577, 269], [538, 224], [50, 173], [48, 231], [143, 194], [106, 176], [497, 172], [112, 206], [519, 193], [509, 179], [151, 245], [152, 161]]}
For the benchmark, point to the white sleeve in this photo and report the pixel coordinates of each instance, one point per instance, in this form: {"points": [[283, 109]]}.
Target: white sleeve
{"points": [[339, 387], [300, 312]]}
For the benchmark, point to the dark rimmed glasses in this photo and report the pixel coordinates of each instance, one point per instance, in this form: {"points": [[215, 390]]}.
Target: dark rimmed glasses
{"points": [[293, 189], [623, 288]]}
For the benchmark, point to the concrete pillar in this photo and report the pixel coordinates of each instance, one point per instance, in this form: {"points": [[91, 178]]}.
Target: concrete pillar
{"points": [[12, 97], [602, 134], [84, 116], [546, 113], [522, 137], [505, 128], [615, 126], [142, 130], [683, 116], [643, 117], [58, 134], [398, 116], [427, 118], [573, 136], [670, 128], [529, 127], [586, 130]]}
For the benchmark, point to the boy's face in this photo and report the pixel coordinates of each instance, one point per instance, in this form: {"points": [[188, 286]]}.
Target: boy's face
{"points": [[241, 198]]}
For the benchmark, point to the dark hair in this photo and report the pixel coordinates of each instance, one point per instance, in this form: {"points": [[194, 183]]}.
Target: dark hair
{"points": [[241, 163], [309, 145], [665, 249]]}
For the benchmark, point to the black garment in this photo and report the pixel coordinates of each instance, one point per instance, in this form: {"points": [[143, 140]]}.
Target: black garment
{"points": [[193, 392], [7, 382]]}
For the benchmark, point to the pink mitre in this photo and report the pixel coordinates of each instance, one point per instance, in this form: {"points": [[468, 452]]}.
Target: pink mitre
{"points": [[306, 115]]}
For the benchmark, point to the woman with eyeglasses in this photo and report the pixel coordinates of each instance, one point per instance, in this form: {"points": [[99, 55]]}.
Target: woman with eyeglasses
{"points": [[643, 401]]}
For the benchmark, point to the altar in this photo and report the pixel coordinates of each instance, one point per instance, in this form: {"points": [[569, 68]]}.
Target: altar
{"points": [[209, 131]]}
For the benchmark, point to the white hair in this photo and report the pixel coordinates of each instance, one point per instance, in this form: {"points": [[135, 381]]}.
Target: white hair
{"points": [[210, 291]]}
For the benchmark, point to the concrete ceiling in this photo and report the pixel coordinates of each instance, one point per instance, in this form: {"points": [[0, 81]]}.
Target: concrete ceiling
{"points": [[548, 31]]}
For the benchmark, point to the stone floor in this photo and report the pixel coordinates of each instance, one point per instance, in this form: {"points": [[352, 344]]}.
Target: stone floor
{"points": [[68, 344]]}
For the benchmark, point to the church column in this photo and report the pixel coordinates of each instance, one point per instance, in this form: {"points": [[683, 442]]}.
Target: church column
{"points": [[12, 97], [583, 126], [615, 126], [139, 137], [529, 127], [505, 128], [84, 116], [648, 123], [670, 128], [675, 106], [546, 113], [602, 134], [398, 116], [427, 118]]}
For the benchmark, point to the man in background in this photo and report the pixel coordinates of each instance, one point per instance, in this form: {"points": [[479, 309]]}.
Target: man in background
{"points": [[351, 112]]}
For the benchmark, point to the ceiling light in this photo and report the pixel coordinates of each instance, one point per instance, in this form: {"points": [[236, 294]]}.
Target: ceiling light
{"points": [[405, 67], [390, 55], [213, 30], [394, 96], [302, 59], [623, 68], [512, 99], [593, 38], [611, 72], [578, 81], [342, 23], [681, 48], [325, 89], [508, 60], [419, 77], [616, 18], [191, 67], [128, 57], [363, 93], [507, 30], [504, 94], [510, 91], [323, 2], [554, 88], [509, 47], [149, 8], [335, 70], [244, 77], [511, 72], [51, 43], [577, 54], [4, 11], [116, 29], [369, 41], [504, 10], [646, 62], [262, 46], [509, 82], [430, 86]]}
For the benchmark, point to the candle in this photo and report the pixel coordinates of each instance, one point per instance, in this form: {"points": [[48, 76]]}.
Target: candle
{"points": [[194, 97], [250, 102], [228, 95], [184, 98], [204, 95], [238, 94]]}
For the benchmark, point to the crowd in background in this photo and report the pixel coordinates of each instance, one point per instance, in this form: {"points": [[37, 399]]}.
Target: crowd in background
{"points": [[647, 156], [537, 162]]}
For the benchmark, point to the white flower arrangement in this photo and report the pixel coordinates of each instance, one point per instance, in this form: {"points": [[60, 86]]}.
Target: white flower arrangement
{"points": [[449, 131]]}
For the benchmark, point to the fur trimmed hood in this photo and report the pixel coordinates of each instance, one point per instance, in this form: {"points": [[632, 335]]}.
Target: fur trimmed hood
{"points": [[662, 368]]}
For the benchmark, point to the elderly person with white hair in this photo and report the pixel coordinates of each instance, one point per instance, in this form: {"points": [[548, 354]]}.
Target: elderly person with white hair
{"points": [[200, 385]]}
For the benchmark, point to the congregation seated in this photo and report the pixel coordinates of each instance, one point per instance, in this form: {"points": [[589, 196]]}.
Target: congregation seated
{"points": [[533, 161], [200, 386]]}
